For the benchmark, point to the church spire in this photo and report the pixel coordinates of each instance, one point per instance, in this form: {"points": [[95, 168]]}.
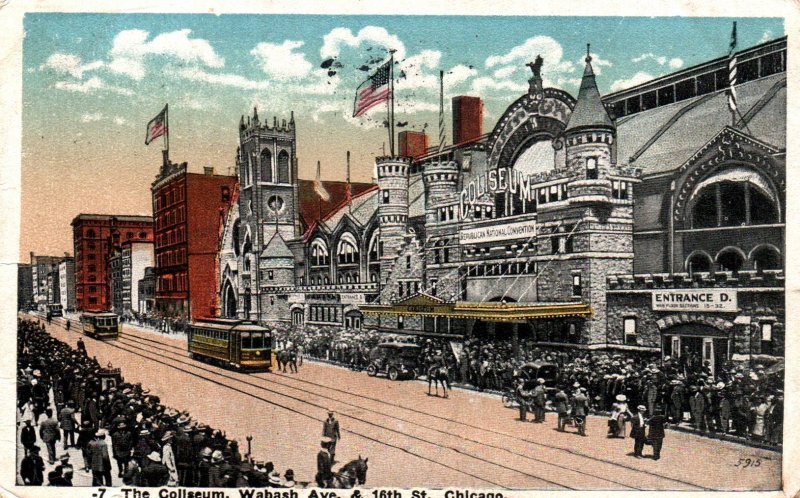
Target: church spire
{"points": [[589, 110]]}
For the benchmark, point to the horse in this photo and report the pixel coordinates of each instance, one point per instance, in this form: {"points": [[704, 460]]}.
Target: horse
{"points": [[286, 357], [351, 474], [439, 374]]}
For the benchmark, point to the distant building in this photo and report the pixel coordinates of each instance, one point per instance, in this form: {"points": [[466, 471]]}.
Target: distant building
{"points": [[95, 236], [115, 273], [43, 280], [146, 294], [24, 286], [66, 282], [188, 210], [135, 258]]}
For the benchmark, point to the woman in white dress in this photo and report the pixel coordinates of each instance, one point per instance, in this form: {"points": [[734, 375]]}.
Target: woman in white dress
{"points": [[620, 413], [759, 411]]}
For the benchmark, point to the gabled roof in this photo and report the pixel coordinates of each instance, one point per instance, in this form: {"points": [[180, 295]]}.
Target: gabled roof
{"points": [[589, 110], [276, 248], [662, 139], [313, 208]]}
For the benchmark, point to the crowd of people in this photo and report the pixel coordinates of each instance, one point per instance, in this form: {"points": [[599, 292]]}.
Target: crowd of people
{"points": [[738, 399], [62, 393]]}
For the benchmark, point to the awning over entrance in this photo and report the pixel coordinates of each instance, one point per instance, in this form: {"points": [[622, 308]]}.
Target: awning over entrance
{"points": [[425, 305]]}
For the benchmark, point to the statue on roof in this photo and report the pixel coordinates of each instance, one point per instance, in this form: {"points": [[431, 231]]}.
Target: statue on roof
{"points": [[535, 83], [536, 67]]}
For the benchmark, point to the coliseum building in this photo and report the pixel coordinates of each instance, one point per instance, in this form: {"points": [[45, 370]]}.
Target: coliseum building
{"points": [[650, 219]]}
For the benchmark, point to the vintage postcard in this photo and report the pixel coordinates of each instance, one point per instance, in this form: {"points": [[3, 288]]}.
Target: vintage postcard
{"points": [[405, 253]]}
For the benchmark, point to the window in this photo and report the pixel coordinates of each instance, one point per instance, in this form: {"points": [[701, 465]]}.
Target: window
{"points": [[766, 338], [408, 262], [283, 167], [225, 193], [270, 275], [629, 329], [576, 286], [591, 168], [385, 196], [348, 250], [266, 166], [400, 323]]}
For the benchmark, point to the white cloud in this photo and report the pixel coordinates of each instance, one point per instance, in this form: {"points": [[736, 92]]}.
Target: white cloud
{"points": [[505, 72], [419, 70], [131, 47], [545, 46], [338, 38], [223, 79], [634, 80], [281, 61], [70, 64], [484, 83], [675, 63], [91, 117], [90, 85]]}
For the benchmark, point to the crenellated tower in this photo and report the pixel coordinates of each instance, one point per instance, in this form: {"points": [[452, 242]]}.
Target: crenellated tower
{"points": [[442, 256], [589, 236], [393, 173]]}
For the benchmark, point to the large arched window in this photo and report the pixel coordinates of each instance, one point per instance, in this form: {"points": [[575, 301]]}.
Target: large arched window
{"points": [[766, 257], [266, 166], [236, 239], [373, 253], [319, 253], [347, 251], [733, 197], [283, 167]]}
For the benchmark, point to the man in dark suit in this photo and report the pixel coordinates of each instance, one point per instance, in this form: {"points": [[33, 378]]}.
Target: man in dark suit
{"points": [[638, 431], [656, 432], [49, 432], [28, 436], [539, 401], [330, 428], [324, 464]]}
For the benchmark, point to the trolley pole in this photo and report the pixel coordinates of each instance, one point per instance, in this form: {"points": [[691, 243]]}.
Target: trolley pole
{"points": [[250, 448]]}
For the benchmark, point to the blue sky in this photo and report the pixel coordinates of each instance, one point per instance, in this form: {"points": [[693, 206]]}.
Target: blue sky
{"points": [[92, 81]]}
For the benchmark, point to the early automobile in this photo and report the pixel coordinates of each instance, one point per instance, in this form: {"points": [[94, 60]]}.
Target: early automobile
{"points": [[395, 359]]}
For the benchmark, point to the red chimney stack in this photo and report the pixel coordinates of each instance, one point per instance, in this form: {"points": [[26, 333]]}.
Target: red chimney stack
{"points": [[413, 143], [467, 118]]}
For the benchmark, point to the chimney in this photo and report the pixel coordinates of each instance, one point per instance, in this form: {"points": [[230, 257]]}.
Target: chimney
{"points": [[413, 144], [467, 118], [208, 170]]}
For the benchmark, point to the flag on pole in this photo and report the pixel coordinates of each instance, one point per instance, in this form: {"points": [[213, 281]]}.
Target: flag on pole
{"points": [[157, 126], [375, 90], [348, 195], [732, 71], [319, 188], [441, 111]]}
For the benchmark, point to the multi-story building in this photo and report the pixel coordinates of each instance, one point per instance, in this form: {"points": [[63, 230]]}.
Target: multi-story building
{"points": [[66, 282], [146, 294], [135, 258], [24, 286], [188, 211], [95, 236], [115, 273], [43, 279]]}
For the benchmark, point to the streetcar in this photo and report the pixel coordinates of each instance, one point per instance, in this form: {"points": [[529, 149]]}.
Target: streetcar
{"points": [[54, 310], [232, 343], [102, 325]]}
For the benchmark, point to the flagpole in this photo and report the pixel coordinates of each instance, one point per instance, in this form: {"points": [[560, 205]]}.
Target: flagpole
{"points": [[349, 192], [319, 197], [166, 133], [391, 107], [441, 112]]}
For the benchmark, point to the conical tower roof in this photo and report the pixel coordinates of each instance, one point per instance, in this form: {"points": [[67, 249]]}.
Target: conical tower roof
{"points": [[589, 110]]}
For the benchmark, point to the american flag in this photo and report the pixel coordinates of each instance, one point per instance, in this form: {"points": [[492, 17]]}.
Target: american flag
{"points": [[373, 91], [732, 71], [157, 126]]}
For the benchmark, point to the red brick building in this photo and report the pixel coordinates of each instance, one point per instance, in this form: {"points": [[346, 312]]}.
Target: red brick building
{"points": [[95, 236], [467, 118], [188, 212], [413, 143]]}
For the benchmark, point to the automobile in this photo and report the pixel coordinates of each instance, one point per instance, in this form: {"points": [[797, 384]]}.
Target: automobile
{"points": [[539, 370], [395, 359]]}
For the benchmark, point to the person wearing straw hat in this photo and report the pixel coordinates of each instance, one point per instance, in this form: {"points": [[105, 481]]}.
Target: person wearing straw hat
{"points": [[539, 395], [154, 473], [168, 457], [288, 479], [100, 459], [324, 464], [619, 414], [274, 480], [580, 409], [638, 432]]}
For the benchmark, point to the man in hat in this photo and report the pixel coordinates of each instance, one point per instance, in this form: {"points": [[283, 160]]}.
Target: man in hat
{"points": [[154, 473], [32, 468], [523, 398], [324, 464], [697, 405], [100, 460], [184, 454], [562, 409], [168, 457], [121, 446], [64, 467], [539, 395], [203, 468], [330, 429], [68, 423], [50, 433], [274, 480], [27, 436], [288, 479], [638, 432], [655, 434], [580, 409], [219, 472]]}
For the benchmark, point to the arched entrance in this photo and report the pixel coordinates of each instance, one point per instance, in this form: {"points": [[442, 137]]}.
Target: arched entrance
{"points": [[693, 344], [298, 315], [353, 319], [229, 300]]}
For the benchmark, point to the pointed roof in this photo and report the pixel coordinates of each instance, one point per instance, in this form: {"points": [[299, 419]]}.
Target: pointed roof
{"points": [[276, 248], [589, 110]]}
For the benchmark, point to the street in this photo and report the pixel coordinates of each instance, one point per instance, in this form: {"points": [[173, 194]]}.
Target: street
{"points": [[410, 438]]}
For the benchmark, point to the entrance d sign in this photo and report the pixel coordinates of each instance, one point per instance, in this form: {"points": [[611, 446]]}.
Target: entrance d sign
{"points": [[711, 300]]}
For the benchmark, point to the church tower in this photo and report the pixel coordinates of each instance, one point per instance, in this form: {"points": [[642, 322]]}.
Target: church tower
{"points": [[393, 174], [591, 235], [266, 165]]}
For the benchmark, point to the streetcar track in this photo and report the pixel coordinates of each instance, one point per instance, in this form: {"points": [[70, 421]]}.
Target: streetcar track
{"points": [[474, 441], [315, 405], [413, 410]]}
